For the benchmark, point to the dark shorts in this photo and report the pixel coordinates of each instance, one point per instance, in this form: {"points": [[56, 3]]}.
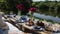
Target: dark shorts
{"points": [[4, 31]]}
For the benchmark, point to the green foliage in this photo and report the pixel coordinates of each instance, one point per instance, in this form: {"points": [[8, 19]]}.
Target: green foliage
{"points": [[47, 7], [2, 0]]}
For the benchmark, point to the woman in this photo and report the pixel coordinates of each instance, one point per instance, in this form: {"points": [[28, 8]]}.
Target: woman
{"points": [[42, 26], [3, 26], [30, 22]]}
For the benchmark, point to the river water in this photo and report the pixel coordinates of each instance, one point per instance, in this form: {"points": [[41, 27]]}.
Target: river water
{"points": [[47, 17]]}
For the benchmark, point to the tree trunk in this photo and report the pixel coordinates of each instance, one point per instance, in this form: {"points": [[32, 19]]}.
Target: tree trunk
{"points": [[50, 8], [55, 8]]}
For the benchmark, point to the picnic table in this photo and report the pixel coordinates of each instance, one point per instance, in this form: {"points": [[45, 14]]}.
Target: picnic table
{"points": [[31, 29], [25, 27]]}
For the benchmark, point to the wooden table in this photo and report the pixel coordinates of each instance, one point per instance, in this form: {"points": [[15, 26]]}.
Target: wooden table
{"points": [[27, 28], [12, 19], [24, 27]]}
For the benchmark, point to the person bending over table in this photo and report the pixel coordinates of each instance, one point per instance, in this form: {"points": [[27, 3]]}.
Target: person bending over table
{"points": [[30, 22], [41, 25], [3, 26]]}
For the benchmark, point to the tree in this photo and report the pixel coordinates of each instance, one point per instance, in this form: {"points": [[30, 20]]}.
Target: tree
{"points": [[56, 7], [11, 5], [27, 5]]}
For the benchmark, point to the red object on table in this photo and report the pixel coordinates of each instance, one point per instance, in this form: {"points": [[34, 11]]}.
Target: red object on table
{"points": [[33, 9]]}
